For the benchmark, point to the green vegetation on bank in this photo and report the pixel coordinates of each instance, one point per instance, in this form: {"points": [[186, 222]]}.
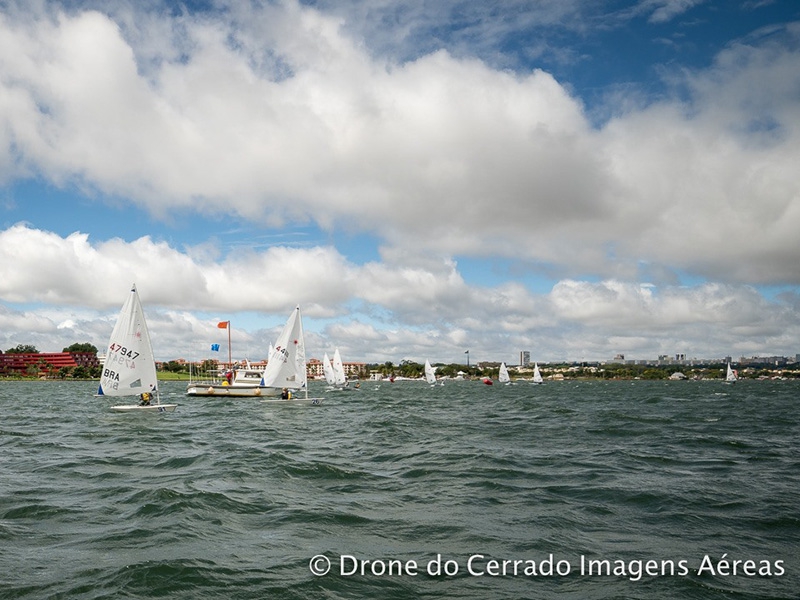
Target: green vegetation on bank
{"points": [[22, 349], [180, 371], [168, 376], [582, 371], [29, 349]]}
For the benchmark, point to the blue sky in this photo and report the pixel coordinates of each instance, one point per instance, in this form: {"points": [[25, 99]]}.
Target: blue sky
{"points": [[570, 177]]}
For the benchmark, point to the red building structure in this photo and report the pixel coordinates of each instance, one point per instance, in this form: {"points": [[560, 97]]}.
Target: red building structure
{"points": [[44, 364]]}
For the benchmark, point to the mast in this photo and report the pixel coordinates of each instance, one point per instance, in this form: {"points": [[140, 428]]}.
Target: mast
{"points": [[227, 325]]}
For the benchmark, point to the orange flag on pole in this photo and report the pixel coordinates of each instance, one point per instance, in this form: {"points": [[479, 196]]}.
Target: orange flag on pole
{"points": [[223, 324]]}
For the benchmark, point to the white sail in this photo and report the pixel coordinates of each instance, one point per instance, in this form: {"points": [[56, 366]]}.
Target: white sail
{"points": [[129, 368], [430, 376], [340, 379], [286, 367], [537, 376], [730, 376], [503, 376], [327, 370]]}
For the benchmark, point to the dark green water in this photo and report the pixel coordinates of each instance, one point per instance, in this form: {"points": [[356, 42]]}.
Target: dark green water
{"points": [[232, 499]]}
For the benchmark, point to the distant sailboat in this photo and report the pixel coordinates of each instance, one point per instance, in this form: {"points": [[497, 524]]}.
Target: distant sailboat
{"points": [[339, 378], [430, 374], [503, 376], [129, 368], [537, 376], [731, 376], [334, 371], [327, 370]]}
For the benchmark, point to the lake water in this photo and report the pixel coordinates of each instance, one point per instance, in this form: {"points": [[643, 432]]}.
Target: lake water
{"points": [[624, 489]]}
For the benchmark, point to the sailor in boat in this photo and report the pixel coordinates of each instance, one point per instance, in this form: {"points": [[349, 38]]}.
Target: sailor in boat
{"points": [[286, 394], [144, 399]]}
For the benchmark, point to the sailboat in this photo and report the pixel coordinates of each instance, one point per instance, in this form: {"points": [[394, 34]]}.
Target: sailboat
{"points": [[503, 376], [340, 379], [430, 374], [537, 376], [731, 376], [327, 370], [129, 368], [286, 367], [334, 371]]}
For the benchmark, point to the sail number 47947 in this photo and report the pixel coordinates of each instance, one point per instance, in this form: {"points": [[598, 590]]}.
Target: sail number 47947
{"points": [[122, 350]]}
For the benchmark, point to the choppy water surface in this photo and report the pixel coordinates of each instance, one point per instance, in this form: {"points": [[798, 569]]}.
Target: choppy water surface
{"points": [[583, 482]]}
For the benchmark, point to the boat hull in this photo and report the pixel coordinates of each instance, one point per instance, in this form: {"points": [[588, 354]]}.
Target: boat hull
{"points": [[226, 391], [293, 400], [148, 408]]}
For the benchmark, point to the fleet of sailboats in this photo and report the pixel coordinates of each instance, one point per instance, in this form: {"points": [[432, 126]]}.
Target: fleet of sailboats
{"points": [[333, 371], [129, 367]]}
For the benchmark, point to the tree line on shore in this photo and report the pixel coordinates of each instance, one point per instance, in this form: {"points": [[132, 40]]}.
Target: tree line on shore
{"points": [[581, 371], [414, 370]]}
